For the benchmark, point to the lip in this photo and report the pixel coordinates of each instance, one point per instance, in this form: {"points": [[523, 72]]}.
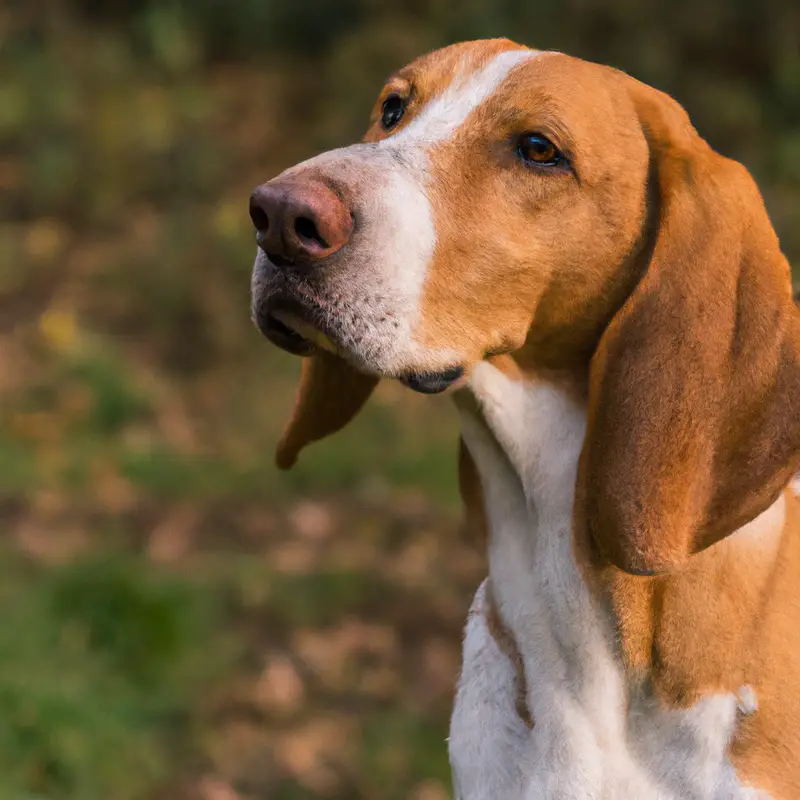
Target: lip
{"points": [[433, 382], [292, 319], [282, 335]]}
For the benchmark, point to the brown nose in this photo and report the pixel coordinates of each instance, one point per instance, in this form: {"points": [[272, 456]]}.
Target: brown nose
{"points": [[299, 221]]}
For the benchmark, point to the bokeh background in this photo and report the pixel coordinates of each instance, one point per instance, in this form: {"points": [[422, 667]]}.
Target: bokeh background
{"points": [[178, 619]]}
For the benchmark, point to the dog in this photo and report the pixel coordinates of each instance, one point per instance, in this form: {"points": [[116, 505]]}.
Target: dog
{"points": [[552, 242]]}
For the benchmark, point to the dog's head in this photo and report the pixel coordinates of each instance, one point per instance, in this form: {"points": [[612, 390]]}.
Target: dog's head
{"points": [[507, 199], [498, 191]]}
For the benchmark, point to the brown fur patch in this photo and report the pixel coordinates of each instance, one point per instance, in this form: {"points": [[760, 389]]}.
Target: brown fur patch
{"points": [[469, 484], [728, 619], [508, 645], [524, 254], [330, 394], [695, 375]]}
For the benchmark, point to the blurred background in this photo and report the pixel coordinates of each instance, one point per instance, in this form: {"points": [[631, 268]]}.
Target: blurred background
{"points": [[179, 620]]}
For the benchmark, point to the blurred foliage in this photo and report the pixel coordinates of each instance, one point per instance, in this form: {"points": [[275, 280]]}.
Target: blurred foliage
{"points": [[97, 669], [181, 621]]}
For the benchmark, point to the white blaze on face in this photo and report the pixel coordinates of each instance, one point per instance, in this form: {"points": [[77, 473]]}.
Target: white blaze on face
{"points": [[446, 112], [380, 288]]}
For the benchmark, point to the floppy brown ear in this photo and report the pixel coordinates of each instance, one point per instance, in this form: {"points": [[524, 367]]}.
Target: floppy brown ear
{"points": [[331, 393], [693, 425]]}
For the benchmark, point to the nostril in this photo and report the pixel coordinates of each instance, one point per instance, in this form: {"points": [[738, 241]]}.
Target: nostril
{"points": [[259, 217], [307, 232]]}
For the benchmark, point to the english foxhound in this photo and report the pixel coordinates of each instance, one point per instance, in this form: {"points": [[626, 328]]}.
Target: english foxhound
{"points": [[605, 297]]}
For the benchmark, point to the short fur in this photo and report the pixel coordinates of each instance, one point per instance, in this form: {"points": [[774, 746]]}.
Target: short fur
{"points": [[631, 351]]}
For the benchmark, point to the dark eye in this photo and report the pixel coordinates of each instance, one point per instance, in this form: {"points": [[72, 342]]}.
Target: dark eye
{"points": [[536, 149], [392, 111]]}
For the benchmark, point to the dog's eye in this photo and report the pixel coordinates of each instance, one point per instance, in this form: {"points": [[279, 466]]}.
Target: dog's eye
{"points": [[392, 111], [534, 148]]}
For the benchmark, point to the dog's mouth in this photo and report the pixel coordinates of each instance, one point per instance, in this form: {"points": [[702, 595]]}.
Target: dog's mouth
{"points": [[295, 328], [290, 331], [433, 382]]}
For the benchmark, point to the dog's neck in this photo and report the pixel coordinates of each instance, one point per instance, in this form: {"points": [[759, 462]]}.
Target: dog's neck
{"points": [[525, 436], [529, 428]]}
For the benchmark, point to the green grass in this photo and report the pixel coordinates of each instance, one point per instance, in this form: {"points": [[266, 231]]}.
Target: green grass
{"points": [[399, 745], [98, 670]]}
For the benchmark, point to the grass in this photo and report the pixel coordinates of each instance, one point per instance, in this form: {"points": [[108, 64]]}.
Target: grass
{"points": [[98, 668]]}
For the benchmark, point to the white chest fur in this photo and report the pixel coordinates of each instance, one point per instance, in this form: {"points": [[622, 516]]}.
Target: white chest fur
{"points": [[595, 736]]}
